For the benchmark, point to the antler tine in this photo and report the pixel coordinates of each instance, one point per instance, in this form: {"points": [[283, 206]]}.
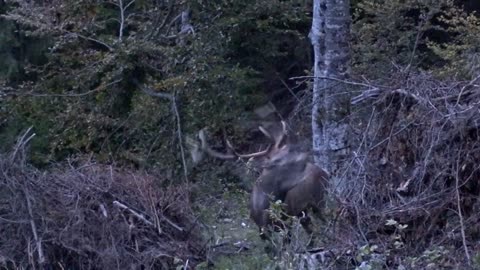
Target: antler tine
{"points": [[251, 155], [204, 146], [284, 127], [265, 132], [284, 132], [277, 138]]}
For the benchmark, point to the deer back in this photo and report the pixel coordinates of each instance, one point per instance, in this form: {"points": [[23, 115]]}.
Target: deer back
{"points": [[308, 193]]}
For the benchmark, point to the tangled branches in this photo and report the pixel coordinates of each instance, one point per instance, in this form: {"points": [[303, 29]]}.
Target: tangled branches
{"points": [[90, 216], [417, 163]]}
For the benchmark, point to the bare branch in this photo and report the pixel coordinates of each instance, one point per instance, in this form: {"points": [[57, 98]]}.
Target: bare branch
{"points": [[180, 140], [33, 226], [171, 223], [102, 43], [172, 98], [101, 87], [337, 80], [21, 143], [470, 83], [133, 212], [157, 26], [459, 211], [122, 17], [150, 92]]}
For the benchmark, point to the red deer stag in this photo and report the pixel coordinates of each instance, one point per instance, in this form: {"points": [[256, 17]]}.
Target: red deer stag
{"points": [[286, 175]]}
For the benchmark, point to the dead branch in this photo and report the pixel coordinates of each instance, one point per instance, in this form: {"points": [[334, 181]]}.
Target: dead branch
{"points": [[79, 224], [21, 143], [133, 212], [171, 223], [36, 238]]}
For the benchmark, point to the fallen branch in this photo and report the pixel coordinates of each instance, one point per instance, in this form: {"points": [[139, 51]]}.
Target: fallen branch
{"points": [[171, 223], [133, 212], [33, 226]]}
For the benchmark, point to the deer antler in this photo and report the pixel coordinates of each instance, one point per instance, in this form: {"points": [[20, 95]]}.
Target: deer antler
{"points": [[204, 146], [251, 155], [277, 138]]}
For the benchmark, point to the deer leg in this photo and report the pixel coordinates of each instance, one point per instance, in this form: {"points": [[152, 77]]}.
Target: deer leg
{"points": [[264, 234], [318, 212], [306, 223]]}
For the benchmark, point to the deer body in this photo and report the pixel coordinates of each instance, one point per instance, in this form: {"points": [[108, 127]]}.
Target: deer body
{"points": [[309, 193], [287, 175], [301, 187]]}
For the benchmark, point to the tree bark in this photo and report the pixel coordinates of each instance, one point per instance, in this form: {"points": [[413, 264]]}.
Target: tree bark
{"points": [[330, 39]]}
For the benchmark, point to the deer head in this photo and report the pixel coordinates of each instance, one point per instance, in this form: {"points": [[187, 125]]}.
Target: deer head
{"points": [[286, 175]]}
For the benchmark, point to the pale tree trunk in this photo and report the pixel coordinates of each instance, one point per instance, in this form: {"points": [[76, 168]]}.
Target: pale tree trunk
{"points": [[329, 36]]}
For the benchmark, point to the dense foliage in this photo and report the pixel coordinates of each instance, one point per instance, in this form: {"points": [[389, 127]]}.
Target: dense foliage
{"points": [[85, 97], [436, 36]]}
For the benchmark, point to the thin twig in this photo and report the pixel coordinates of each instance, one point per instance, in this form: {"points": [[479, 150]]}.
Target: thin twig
{"points": [[173, 99], [122, 20], [101, 87], [156, 28], [22, 142], [180, 141], [464, 87], [338, 80], [172, 22], [173, 224], [417, 39], [122, 17], [110, 48], [460, 216], [33, 226], [288, 88]]}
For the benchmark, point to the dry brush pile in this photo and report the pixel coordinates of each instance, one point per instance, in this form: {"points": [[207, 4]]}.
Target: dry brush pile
{"points": [[87, 216], [416, 168]]}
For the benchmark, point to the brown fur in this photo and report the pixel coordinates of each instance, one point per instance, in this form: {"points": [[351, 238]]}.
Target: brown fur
{"points": [[300, 185]]}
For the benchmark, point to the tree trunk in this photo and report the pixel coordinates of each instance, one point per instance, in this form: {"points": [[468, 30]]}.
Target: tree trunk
{"points": [[330, 39]]}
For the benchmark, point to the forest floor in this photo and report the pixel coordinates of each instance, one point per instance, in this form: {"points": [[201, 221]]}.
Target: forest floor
{"points": [[233, 240]]}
